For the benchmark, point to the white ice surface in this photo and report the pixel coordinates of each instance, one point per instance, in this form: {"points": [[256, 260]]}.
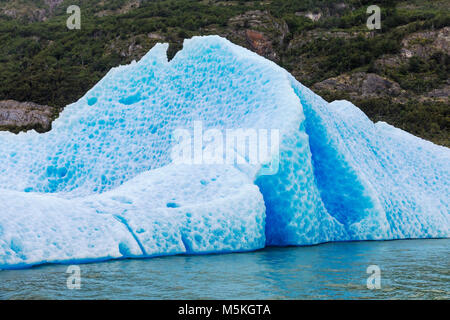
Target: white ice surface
{"points": [[101, 184]]}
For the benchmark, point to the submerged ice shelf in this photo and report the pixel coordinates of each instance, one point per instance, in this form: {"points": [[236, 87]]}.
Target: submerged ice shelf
{"points": [[102, 185]]}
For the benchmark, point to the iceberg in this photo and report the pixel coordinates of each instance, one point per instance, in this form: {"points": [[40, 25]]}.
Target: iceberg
{"points": [[103, 183]]}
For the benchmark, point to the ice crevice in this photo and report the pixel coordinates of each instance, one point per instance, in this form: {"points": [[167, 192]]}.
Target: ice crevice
{"points": [[124, 222], [102, 183]]}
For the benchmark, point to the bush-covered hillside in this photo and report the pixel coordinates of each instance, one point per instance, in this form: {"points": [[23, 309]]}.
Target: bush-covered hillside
{"points": [[398, 74]]}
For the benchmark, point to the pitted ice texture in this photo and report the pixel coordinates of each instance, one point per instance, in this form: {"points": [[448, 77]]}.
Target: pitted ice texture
{"points": [[102, 185]]}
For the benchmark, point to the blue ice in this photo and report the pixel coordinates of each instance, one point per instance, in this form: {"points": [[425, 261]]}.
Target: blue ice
{"points": [[101, 184]]}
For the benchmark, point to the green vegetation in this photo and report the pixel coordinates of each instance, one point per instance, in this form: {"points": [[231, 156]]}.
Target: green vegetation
{"points": [[44, 62], [428, 120]]}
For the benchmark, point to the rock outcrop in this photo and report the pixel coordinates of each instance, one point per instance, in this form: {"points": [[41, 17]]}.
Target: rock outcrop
{"points": [[33, 12], [362, 85], [422, 44], [23, 116], [258, 31]]}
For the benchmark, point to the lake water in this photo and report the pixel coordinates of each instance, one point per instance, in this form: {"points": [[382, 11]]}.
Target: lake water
{"points": [[410, 269]]}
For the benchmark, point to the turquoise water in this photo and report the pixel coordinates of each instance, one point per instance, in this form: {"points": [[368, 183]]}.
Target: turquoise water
{"points": [[410, 269]]}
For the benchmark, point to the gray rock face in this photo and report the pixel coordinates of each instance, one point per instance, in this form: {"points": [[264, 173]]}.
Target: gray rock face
{"points": [[22, 116], [32, 11], [422, 44], [441, 94], [362, 85]]}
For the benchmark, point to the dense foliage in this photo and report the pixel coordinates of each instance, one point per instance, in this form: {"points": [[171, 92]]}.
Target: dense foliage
{"points": [[44, 62]]}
